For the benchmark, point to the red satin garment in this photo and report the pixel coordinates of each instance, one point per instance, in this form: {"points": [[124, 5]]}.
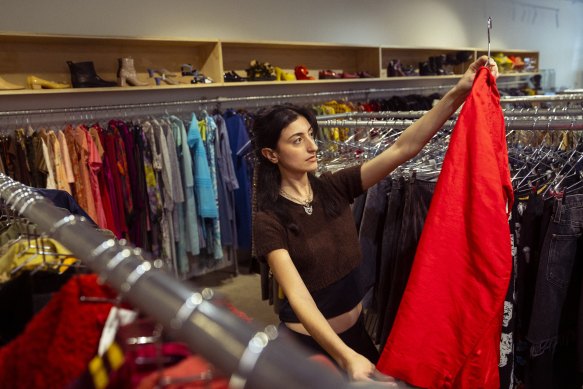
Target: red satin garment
{"points": [[447, 330]]}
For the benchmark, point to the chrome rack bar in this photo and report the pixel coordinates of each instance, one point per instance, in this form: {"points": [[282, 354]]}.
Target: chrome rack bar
{"points": [[511, 124], [398, 124], [540, 98], [255, 357], [508, 112]]}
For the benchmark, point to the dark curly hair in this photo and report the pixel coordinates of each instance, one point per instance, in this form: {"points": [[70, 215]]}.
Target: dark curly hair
{"points": [[267, 128]]}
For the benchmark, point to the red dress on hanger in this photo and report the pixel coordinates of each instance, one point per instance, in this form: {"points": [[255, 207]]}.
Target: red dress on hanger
{"points": [[447, 330]]}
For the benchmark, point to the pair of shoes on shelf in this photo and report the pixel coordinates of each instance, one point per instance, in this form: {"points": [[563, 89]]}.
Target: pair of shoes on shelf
{"points": [[517, 63], [126, 73], [188, 70], [504, 63], [232, 76], [282, 75], [302, 72], [160, 75], [458, 57], [260, 71], [328, 75], [364, 74], [35, 82], [5, 85], [395, 69], [349, 76], [197, 77], [201, 79], [434, 66]]}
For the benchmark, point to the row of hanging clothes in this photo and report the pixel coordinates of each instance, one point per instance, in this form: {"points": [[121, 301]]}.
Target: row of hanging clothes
{"points": [[171, 184], [542, 339]]}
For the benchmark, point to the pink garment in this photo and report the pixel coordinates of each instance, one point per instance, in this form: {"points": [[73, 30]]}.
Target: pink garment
{"points": [[94, 163]]}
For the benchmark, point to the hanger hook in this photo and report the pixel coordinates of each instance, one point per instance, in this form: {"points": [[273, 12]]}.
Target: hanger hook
{"points": [[489, 28]]}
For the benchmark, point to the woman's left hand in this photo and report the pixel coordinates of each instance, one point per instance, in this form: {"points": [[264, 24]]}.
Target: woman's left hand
{"points": [[467, 80]]}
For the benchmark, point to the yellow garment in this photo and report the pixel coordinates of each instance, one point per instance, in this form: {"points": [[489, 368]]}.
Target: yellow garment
{"points": [[25, 253], [202, 128]]}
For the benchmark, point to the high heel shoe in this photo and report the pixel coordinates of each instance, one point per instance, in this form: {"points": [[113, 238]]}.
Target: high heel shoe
{"points": [[163, 75], [5, 85], [38, 83], [283, 76], [302, 72], [126, 73]]}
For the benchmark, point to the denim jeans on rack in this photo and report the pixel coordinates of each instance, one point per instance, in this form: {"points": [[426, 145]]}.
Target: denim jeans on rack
{"points": [[553, 323], [390, 240], [416, 201], [371, 231]]}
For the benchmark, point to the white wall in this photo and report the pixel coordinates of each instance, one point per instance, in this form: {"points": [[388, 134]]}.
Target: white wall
{"points": [[448, 23]]}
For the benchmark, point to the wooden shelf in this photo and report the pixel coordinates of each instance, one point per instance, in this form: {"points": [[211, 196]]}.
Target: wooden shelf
{"points": [[45, 56]]}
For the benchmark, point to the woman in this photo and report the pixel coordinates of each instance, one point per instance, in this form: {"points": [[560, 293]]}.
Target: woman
{"points": [[303, 227]]}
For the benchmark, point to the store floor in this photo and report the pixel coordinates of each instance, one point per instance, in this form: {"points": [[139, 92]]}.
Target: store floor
{"points": [[243, 291]]}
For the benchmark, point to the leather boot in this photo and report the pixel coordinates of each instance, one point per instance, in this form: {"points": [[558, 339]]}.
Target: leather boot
{"points": [[425, 69], [126, 73], [83, 75], [438, 62]]}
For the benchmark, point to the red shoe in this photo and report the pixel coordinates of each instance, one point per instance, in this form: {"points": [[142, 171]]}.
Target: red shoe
{"points": [[302, 73]]}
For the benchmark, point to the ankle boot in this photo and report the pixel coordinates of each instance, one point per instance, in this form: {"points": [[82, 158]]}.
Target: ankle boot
{"points": [[5, 85], [126, 73], [438, 62], [83, 75], [425, 69]]}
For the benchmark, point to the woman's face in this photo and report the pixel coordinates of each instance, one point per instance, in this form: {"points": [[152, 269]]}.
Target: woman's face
{"points": [[296, 148]]}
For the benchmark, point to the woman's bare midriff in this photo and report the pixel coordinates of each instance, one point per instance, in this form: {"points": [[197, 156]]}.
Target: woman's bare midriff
{"points": [[338, 323]]}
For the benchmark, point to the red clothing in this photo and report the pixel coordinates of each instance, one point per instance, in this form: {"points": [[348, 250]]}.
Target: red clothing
{"points": [[61, 339], [447, 330]]}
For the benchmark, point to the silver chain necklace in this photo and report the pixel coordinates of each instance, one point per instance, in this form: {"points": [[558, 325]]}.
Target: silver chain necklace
{"points": [[307, 204]]}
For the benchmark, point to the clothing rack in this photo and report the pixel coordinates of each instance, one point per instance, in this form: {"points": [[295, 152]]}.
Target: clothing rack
{"points": [[574, 97], [254, 357], [508, 112], [511, 123], [235, 101]]}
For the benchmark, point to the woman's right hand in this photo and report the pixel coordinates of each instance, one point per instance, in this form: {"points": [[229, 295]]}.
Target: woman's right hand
{"points": [[359, 368]]}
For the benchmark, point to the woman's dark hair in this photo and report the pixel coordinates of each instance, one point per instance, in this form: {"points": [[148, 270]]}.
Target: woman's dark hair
{"points": [[267, 128]]}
